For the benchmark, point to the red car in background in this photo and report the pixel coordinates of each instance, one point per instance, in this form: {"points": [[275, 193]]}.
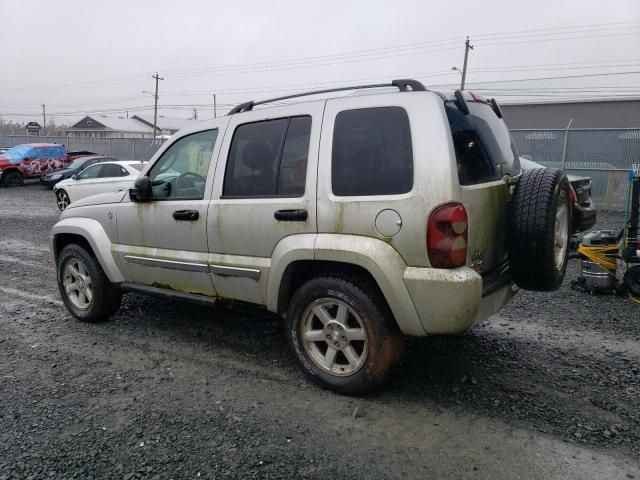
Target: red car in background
{"points": [[31, 160]]}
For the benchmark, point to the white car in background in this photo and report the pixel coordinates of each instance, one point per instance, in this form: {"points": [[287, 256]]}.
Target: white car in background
{"points": [[103, 177]]}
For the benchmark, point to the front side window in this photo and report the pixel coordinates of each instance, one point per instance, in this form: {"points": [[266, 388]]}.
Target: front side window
{"points": [[91, 172], [181, 171], [372, 152], [268, 158]]}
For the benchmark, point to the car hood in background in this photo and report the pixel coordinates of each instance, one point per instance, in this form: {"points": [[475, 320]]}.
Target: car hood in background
{"points": [[99, 199], [59, 171]]}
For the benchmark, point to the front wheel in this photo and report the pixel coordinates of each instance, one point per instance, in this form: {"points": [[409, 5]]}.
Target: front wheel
{"points": [[13, 179], [85, 289], [62, 199], [343, 335]]}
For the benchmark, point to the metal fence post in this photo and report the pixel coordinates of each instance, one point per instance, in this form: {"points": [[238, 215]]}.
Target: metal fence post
{"points": [[110, 148], [133, 149], [564, 147], [91, 144]]}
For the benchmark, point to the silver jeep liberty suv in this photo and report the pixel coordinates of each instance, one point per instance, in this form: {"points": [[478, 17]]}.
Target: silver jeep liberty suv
{"points": [[360, 218]]}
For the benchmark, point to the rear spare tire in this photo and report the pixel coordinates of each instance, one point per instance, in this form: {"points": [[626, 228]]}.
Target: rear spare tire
{"points": [[538, 229]]}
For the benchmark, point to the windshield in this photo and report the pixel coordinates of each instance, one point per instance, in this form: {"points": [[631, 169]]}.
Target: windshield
{"points": [[17, 152], [483, 145], [137, 166]]}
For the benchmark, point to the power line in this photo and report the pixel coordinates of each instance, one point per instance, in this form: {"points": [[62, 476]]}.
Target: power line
{"points": [[359, 55]]}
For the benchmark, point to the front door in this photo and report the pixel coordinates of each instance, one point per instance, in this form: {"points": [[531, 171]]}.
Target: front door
{"points": [[163, 242], [264, 191]]}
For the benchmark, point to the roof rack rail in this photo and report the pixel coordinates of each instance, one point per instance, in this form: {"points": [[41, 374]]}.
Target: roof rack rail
{"points": [[404, 85]]}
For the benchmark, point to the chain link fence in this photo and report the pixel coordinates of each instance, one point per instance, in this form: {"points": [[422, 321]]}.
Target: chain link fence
{"points": [[605, 155], [120, 148]]}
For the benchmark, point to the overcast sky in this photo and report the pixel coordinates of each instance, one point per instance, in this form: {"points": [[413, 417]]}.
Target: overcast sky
{"points": [[87, 56]]}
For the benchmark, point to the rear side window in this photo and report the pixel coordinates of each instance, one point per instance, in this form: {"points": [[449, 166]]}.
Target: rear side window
{"points": [[38, 154], [111, 170], [483, 145], [268, 158], [55, 152], [372, 152]]}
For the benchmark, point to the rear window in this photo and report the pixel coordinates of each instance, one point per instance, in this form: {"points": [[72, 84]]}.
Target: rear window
{"points": [[484, 148]]}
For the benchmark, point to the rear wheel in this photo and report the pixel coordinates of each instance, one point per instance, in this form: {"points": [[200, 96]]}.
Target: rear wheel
{"points": [[12, 179], [539, 223], [62, 199], [632, 280], [84, 288], [343, 335]]}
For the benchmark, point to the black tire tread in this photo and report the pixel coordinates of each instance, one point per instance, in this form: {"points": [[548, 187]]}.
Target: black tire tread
{"points": [[530, 231]]}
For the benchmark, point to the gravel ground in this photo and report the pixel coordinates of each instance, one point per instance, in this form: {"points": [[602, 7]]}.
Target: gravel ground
{"points": [[548, 388]]}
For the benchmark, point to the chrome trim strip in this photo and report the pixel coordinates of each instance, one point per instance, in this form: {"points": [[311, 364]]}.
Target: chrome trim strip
{"points": [[224, 271], [172, 264]]}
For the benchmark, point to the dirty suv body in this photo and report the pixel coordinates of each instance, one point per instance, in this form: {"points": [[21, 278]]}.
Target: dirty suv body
{"points": [[359, 218]]}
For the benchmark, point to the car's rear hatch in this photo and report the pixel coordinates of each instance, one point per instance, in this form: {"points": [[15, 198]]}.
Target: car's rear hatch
{"points": [[485, 153]]}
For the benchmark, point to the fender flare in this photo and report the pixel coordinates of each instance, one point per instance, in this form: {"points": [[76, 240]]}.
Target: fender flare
{"points": [[94, 234], [380, 259]]}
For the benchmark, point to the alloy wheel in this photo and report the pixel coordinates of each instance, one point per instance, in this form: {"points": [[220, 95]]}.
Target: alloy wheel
{"points": [[62, 199], [77, 284], [334, 337], [561, 236]]}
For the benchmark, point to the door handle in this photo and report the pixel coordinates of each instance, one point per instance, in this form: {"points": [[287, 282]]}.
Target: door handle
{"points": [[189, 215], [294, 215]]}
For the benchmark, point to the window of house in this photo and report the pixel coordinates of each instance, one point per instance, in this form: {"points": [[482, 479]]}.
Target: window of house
{"points": [[372, 152], [268, 158], [181, 172]]}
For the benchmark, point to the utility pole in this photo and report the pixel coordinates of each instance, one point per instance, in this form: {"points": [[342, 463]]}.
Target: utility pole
{"points": [[44, 119], [155, 104], [467, 47], [215, 113]]}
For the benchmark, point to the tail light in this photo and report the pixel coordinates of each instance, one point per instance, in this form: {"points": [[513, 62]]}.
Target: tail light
{"points": [[447, 236]]}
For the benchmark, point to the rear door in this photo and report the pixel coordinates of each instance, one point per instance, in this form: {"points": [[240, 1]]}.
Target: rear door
{"points": [[484, 154], [264, 191]]}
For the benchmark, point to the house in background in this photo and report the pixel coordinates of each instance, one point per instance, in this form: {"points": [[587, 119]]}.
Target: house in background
{"points": [[101, 126], [165, 125]]}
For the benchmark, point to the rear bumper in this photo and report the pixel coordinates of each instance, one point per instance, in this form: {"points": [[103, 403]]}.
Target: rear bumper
{"points": [[452, 301]]}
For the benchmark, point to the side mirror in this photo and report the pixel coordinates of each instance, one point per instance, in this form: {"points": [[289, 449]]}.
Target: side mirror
{"points": [[141, 191], [74, 176]]}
